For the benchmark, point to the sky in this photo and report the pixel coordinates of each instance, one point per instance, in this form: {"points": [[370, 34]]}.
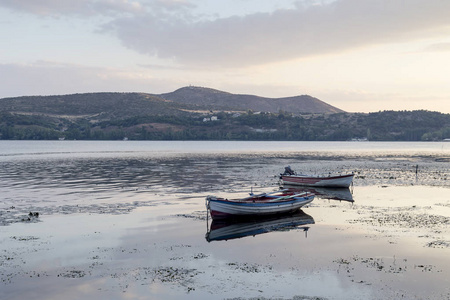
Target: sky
{"points": [[357, 55]]}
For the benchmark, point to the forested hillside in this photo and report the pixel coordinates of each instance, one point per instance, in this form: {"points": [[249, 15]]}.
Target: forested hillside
{"points": [[220, 125]]}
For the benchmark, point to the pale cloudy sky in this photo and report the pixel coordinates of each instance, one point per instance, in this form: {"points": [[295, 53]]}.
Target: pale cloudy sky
{"points": [[357, 55]]}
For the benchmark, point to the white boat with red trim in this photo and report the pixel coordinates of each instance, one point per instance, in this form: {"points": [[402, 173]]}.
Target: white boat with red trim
{"points": [[341, 181], [332, 181], [278, 202]]}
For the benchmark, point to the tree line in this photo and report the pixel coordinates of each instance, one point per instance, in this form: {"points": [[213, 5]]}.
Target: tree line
{"points": [[380, 126]]}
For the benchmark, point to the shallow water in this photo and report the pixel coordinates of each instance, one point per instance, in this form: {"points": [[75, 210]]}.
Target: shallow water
{"points": [[127, 220]]}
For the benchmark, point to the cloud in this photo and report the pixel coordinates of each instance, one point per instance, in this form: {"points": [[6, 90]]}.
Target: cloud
{"points": [[174, 29], [80, 8], [438, 47], [40, 77], [282, 35]]}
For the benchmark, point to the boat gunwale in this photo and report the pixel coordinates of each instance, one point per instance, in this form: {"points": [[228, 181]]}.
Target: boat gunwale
{"points": [[319, 177], [259, 203]]}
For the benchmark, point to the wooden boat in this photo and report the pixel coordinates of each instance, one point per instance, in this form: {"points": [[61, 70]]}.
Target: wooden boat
{"points": [[332, 181], [226, 229], [277, 202]]}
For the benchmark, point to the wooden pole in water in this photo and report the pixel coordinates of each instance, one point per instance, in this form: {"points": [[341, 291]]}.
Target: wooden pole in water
{"points": [[417, 171]]}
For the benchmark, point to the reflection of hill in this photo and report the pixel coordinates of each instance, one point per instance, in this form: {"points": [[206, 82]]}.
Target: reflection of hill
{"points": [[238, 228], [342, 194]]}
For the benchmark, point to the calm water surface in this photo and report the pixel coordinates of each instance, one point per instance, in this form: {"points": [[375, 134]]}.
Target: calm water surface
{"points": [[127, 220], [18, 148]]}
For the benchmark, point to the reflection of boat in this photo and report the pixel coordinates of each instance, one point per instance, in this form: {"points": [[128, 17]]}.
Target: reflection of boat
{"points": [[277, 202], [290, 177], [343, 194], [228, 229]]}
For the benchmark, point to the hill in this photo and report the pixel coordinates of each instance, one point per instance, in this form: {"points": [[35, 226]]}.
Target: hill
{"points": [[193, 113], [102, 106], [218, 100]]}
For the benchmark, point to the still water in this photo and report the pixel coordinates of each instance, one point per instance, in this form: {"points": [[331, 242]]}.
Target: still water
{"points": [[127, 219]]}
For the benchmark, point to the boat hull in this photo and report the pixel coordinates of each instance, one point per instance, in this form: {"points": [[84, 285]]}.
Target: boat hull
{"points": [[331, 181], [223, 208]]}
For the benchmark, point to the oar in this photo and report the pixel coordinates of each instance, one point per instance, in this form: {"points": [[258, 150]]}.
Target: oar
{"points": [[279, 191], [288, 197], [264, 194]]}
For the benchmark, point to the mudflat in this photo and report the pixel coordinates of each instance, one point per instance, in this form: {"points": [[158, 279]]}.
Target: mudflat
{"points": [[122, 224]]}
